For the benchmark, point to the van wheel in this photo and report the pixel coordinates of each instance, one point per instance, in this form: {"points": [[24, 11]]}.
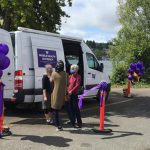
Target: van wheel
{"points": [[9, 105], [38, 106]]}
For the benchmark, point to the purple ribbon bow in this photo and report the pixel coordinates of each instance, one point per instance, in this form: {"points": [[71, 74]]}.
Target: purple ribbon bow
{"points": [[102, 86]]}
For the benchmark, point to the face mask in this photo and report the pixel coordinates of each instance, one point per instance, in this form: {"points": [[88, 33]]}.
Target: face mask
{"points": [[72, 71]]}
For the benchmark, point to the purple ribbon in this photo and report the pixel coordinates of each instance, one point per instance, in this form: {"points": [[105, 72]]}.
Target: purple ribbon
{"points": [[101, 98], [102, 86], [1, 99]]}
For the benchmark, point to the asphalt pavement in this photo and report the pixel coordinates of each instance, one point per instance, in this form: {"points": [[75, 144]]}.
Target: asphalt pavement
{"points": [[129, 119]]}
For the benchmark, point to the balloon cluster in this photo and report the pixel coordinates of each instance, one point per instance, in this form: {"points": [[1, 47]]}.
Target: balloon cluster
{"points": [[135, 71], [4, 60]]}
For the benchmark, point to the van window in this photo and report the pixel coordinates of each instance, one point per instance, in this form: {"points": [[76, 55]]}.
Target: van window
{"points": [[92, 62], [13, 41], [72, 59]]}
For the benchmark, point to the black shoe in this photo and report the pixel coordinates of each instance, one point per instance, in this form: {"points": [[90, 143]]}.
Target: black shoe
{"points": [[69, 123], [60, 128]]}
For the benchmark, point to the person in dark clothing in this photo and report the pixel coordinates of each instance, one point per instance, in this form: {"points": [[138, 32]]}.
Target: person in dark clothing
{"points": [[47, 90]]}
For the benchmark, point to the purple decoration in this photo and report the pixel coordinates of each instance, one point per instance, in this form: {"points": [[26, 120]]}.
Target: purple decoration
{"points": [[130, 77], [102, 86], [84, 94], [4, 49], [140, 64], [142, 69], [2, 60], [137, 70], [139, 74], [132, 66], [130, 70], [1, 73], [6, 63]]}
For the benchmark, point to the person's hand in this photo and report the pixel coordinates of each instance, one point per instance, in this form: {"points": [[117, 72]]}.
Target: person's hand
{"points": [[45, 98], [70, 92]]}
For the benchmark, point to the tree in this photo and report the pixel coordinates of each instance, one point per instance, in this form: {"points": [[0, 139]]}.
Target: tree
{"points": [[37, 14], [133, 40]]}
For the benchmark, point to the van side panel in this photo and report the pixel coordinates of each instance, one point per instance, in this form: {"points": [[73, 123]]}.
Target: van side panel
{"points": [[8, 74], [27, 66], [42, 46]]}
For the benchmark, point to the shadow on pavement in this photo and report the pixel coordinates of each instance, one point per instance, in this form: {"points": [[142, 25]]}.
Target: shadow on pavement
{"points": [[47, 140], [129, 107], [123, 134]]}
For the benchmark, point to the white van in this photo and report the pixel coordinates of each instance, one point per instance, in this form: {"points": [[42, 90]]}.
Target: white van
{"points": [[31, 49]]}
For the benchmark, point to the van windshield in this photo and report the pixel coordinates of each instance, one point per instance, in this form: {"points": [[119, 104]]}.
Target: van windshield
{"points": [[13, 41]]}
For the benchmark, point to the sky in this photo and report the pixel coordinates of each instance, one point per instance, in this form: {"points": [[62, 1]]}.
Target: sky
{"points": [[91, 20]]}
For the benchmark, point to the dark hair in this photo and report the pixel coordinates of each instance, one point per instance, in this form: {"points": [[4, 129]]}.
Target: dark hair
{"points": [[59, 66]]}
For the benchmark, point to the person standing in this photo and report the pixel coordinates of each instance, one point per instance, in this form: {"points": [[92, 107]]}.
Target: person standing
{"points": [[59, 79], [74, 85], [47, 90]]}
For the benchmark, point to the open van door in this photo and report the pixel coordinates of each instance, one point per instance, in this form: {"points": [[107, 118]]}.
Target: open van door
{"points": [[46, 50], [92, 70], [8, 74]]}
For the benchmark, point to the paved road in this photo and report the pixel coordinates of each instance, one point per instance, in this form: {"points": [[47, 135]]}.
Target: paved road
{"points": [[129, 118]]}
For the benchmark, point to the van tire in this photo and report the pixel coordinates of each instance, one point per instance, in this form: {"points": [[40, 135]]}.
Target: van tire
{"points": [[9, 105], [38, 106]]}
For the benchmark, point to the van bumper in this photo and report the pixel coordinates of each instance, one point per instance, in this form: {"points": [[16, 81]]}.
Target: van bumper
{"points": [[19, 96]]}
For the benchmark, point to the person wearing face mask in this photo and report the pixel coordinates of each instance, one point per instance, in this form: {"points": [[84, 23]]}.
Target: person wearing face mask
{"points": [[74, 84], [60, 82], [47, 90]]}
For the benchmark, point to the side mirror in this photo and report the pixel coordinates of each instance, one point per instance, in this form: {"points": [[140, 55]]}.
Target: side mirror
{"points": [[101, 67]]}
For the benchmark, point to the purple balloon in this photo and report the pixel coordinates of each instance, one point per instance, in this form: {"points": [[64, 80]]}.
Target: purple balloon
{"points": [[139, 74], [1, 73], [142, 69], [140, 64], [7, 63], [130, 77], [132, 66], [130, 70], [4, 61], [4, 49], [137, 70]]}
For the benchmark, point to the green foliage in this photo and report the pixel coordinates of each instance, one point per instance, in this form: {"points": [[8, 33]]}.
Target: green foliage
{"points": [[133, 40], [37, 14], [119, 74]]}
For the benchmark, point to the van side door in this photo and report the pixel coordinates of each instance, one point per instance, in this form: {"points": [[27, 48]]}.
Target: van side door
{"points": [[46, 50], [92, 74]]}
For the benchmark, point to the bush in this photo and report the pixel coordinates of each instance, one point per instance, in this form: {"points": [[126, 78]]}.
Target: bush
{"points": [[119, 74]]}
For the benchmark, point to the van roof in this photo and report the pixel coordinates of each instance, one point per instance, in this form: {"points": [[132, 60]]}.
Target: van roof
{"points": [[22, 29]]}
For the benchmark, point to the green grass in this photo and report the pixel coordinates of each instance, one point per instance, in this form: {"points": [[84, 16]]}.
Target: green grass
{"points": [[137, 85]]}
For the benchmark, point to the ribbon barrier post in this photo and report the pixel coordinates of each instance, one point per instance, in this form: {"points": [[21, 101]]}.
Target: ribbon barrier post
{"points": [[4, 64], [102, 86], [135, 72]]}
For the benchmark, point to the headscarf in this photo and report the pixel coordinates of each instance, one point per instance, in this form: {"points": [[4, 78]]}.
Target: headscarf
{"points": [[59, 66]]}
